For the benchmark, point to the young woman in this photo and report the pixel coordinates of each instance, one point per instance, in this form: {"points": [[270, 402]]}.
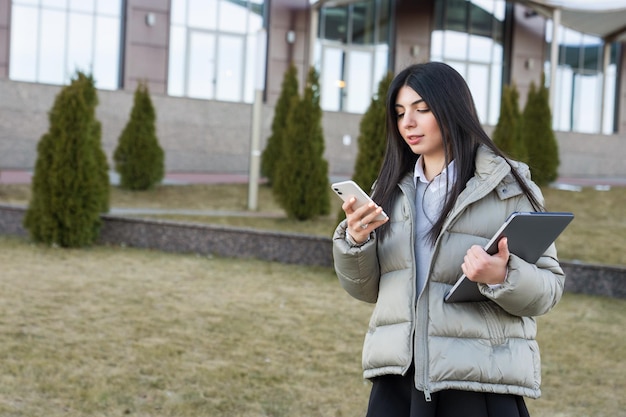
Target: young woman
{"points": [[447, 189]]}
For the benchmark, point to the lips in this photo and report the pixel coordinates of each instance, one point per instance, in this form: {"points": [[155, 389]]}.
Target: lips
{"points": [[414, 139]]}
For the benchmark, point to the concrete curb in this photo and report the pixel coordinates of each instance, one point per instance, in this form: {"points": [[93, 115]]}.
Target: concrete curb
{"points": [[292, 248]]}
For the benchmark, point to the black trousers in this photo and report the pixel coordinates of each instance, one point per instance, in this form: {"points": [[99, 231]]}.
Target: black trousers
{"points": [[396, 396]]}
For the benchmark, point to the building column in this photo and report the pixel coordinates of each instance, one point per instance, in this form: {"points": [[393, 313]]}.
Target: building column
{"points": [[554, 55], [146, 44]]}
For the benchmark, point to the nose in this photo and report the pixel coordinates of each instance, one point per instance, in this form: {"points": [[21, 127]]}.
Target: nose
{"points": [[408, 120]]}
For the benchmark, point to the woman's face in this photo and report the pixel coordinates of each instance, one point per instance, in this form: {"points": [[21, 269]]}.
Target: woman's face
{"points": [[417, 124]]}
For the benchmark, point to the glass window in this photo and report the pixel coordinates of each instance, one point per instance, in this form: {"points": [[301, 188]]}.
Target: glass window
{"points": [[455, 45], [359, 74], [50, 44], [334, 24], [363, 23], [456, 15], [24, 44], [83, 5], [213, 48], [176, 70], [106, 60], [495, 88], [178, 13], [233, 18], [230, 68], [468, 36], [201, 14], [478, 78], [201, 65], [111, 8], [579, 80], [80, 41], [52, 39], [481, 48], [352, 53], [331, 79], [60, 4]]}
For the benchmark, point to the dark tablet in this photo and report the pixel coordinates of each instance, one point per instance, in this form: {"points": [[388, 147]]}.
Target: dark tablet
{"points": [[529, 235]]}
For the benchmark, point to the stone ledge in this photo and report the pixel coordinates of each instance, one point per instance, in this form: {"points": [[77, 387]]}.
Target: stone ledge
{"points": [[292, 248]]}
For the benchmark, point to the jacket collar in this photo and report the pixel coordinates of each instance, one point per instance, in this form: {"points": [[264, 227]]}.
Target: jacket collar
{"points": [[492, 173]]}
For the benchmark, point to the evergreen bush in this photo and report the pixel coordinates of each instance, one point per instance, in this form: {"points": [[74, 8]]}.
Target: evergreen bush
{"points": [[70, 186], [272, 152], [538, 136], [301, 184], [139, 159], [507, 133]]}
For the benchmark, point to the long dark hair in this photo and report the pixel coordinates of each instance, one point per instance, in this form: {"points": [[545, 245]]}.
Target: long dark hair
{"points": [[450, 100]]}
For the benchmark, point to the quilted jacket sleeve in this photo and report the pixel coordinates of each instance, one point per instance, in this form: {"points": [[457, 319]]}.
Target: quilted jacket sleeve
{"points": [[357, 267], [530, 289]]}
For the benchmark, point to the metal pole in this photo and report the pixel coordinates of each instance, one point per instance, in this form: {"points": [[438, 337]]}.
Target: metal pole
{"points": [[606, 60], [554, 57], [255, 152]]}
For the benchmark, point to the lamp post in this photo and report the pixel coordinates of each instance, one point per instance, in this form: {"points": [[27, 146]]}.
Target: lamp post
{"points": [[255, 152]]}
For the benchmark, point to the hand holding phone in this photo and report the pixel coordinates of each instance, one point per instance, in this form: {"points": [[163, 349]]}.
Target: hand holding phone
{"points": [[348, 189]]}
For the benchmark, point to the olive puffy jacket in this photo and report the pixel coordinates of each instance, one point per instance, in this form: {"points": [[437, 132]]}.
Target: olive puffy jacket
{"points": [[478, 346]]}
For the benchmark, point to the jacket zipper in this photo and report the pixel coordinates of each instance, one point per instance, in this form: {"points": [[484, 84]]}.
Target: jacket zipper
{"points": [[421, 367], [422, 370]]}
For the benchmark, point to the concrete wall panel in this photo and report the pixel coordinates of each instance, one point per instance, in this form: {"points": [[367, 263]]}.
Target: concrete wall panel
{"points": [[414, 26], [214, 137], [146, 47], [527, 54]]}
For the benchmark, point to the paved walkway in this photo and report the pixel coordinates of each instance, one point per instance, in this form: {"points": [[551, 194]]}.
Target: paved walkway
{"points": [[24, 177]]}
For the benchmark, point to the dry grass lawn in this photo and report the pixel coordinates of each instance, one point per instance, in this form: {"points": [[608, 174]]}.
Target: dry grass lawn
{"points": [[117, 331]]}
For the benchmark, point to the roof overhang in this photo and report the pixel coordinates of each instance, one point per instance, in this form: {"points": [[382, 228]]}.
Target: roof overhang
{"points": [[603, 18]]}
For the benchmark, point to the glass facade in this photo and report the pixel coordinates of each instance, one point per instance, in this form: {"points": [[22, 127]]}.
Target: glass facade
{"points": [[213, 52], [469, 36], [579, 80], [52, 39], [212, 48], [352, 53]]}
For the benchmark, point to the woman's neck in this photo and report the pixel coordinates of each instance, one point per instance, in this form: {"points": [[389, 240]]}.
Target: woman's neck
{"points": [[433, 167]]}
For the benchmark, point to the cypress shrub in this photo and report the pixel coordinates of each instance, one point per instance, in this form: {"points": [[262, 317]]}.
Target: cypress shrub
{"points": [[538, 136], [301, 184], [70, 186], [102, 182], [372, 137], [507, 133], [139, 159], [272, 152]]}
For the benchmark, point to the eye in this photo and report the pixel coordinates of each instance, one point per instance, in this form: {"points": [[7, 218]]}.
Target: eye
{"points": [[423, 110], [399, 115]]}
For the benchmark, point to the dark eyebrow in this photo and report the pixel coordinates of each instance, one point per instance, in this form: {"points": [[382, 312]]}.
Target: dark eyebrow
{"points": [[421, 100]]}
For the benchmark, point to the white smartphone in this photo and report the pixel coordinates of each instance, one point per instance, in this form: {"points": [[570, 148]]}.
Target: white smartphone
{"points": [[347, 189]]}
